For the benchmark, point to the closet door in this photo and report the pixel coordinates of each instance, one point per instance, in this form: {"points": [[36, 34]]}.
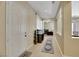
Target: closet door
{"points": [[15, 29]]}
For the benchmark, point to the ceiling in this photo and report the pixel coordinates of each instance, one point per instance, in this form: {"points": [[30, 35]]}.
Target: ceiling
{"points": [[45, 9]]}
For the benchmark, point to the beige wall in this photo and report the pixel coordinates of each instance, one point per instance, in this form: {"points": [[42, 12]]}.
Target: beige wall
{"points": [[71, 46], [59, 21], [2, 28], [30, 25], [60, 41], [19, 12], [59, 34]]}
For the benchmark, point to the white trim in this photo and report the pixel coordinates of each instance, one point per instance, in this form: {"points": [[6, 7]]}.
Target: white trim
{"points": [[75, 38], [59, 47]]}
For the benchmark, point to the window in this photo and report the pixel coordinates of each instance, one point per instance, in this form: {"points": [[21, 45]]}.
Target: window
{"points": [[75, 18], [75, 27]]}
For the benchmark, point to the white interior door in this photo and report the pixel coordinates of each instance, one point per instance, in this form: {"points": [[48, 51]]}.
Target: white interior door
{"points": [[15, 29]]}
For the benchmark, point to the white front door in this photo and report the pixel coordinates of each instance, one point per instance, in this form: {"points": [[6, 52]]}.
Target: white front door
{"points": [[15, 29]]}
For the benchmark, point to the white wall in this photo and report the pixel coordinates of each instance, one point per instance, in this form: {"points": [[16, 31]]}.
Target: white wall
{"points": [[15, 18], [39, 23], [31, 25], [18, 13], [49, 24], [59, 23]]}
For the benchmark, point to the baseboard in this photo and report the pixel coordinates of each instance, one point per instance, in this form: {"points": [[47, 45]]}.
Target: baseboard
{"points": [[59, 47]]}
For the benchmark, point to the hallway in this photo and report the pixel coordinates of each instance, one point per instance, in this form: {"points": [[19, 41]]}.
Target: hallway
{"points": [[36, 49], [24, 25]]}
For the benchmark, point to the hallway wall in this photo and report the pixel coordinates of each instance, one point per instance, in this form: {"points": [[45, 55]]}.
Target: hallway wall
{"points": [[39, 23], [15, 18], [2, 28], [30, 25], [71, 45], [21, 12], [59, 34]]}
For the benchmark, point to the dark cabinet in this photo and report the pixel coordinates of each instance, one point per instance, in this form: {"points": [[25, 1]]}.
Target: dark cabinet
{"points": [[38, 37]]}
